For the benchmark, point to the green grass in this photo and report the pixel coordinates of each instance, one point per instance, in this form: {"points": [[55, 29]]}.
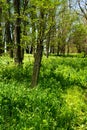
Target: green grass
{"points": [[59, 102]]}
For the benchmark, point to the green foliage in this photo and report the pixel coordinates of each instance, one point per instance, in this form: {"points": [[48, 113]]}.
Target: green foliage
{"points": [[59, 102], [79, 34], [64, 71]]}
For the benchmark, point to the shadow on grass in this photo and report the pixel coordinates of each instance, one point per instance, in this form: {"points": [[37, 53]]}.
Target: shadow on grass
{"points": [[48, 78], [17, 74]]}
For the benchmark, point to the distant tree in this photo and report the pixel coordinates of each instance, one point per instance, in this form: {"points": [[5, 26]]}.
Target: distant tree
{"points": [[80, 37], [83, 7], [64, 24], [50, 30]]}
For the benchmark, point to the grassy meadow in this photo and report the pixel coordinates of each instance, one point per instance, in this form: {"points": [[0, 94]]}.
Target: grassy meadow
{"points": [[59, 102]]}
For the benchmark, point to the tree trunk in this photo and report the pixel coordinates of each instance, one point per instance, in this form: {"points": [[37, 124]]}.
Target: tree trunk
{"points": [[47, 49], [8, 35], [52, 49], [8, 32], [37, 64], [1, 44], [78, 48], [68, 49], [48, 43], [31, 49], [17, 50], [11, 53], [58, 49], [63, 49], [39, 50]]}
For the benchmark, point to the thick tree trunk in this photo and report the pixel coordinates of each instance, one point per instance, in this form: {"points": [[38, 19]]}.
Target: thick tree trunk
{"points": [[17, 50]]}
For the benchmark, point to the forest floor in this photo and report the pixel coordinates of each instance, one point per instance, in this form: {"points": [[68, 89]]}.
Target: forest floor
{"points": [[59, 102]]}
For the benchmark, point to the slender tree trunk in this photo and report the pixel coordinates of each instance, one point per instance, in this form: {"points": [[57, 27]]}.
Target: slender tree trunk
{"points": [[31, 49], [78, 48], [1, 44], [58, 49], [63, 49], [47, 49], [11, 53], [8, 35], [68, 49], [25, 6], [8, 32], [33, 16], [39, 51], [52, 49], [48, 43], [37, 64], [8, 39]]}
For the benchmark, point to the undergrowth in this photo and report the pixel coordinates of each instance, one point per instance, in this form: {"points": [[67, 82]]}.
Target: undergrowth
{"points": [[59, 102]]}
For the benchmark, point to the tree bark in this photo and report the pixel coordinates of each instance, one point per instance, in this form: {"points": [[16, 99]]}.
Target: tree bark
{"points": [[1, 44], [17, 31], [58, 49], [8, 35], [48, 43], [39, 50], [8, 32], [37, 65]]}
